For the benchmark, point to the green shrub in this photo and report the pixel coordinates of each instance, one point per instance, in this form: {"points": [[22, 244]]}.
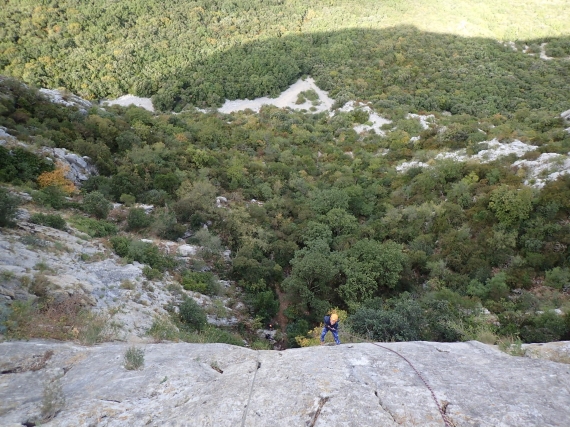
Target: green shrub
{"points": [[97, 182], [155, 197], [8, 208], [265, 305], [20, 164], [151, 273], [121, 245], [142, 252], [147, 253], [96, 204], [138, 219], [192, 315], [400, 319], [50, 196], [546, 327], [127, 199], [215, 334], [166, 226], [162, 329], [557, 277], [50, 220], [494, 288], [201, 282], [94, 228], [134, 358], [296, 329]]}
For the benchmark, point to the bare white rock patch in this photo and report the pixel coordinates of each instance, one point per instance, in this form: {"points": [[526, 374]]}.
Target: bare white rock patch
{"points": [[66, 98], [127, 100], [287, 98], [376, 121]]}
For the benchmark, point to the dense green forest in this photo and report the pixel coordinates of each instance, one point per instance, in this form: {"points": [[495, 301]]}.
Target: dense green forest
{"points": [[409, 255], [201, 52]]}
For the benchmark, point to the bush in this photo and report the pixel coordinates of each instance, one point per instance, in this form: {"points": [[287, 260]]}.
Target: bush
{"points": [[151, 274], [94, 228], [147, 253], [162, 329], [296, 329], [127, 199], [53, 400], [50, 220], [121, 245], [546, 327], [134, 358], [557, 277], [96, 204], [265, 305], [20, 164], [57, 178], [398, 319], [138, 219], [166, 226], [192, 315], [8, 207], [155, 197], [51, 196], [142, 252], [201, 282], [49, 319]]}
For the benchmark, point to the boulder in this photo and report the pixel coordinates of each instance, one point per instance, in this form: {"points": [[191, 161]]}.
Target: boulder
{"points": [[553, 351]]}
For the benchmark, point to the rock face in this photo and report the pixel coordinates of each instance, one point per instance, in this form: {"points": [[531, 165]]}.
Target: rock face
{"points": [[67, 99], [87, 268], [223, 385], [79, 168]]}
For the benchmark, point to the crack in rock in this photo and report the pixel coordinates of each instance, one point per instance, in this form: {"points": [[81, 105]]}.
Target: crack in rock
{"points": [[385, 408], [322, 402]]}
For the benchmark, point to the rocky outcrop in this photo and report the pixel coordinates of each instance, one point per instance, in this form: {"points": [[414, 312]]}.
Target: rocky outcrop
{"points": [[185, 384], [553, 351], [66, 98], [68, 265], [79, 168]]}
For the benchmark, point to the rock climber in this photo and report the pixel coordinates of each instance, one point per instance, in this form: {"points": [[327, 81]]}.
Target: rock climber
{"points": [[331, 324]]}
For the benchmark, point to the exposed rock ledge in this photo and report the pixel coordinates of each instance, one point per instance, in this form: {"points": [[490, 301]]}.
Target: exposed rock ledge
{"points": [[347, 385]]}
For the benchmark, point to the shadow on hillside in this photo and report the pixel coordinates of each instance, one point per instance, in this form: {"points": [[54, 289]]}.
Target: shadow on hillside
{"points": [[391, 68]]}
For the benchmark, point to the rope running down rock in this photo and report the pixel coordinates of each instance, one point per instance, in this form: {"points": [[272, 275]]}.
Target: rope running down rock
{"points": [[446, 420]]}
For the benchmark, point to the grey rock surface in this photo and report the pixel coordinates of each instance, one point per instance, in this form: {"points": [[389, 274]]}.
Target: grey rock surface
{"points": [[184, 384], [66, 98], [79, 168], [73, 265], [553, 351]]}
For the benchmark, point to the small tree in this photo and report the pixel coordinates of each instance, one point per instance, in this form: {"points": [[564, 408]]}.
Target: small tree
{"points": [[138, 219], [96, 204], [192, 314], [57, 178], [8, 207]]}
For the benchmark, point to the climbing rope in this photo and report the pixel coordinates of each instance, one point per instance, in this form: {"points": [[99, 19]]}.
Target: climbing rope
{"points": [[446, 420], [257, 366]]}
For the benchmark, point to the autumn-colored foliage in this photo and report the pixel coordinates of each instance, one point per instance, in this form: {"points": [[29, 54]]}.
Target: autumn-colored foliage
{"points": [[57, 178]]}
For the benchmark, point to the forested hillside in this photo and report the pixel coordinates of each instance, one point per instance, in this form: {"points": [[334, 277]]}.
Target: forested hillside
{"points": [[317, 213], [427, 54]]}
